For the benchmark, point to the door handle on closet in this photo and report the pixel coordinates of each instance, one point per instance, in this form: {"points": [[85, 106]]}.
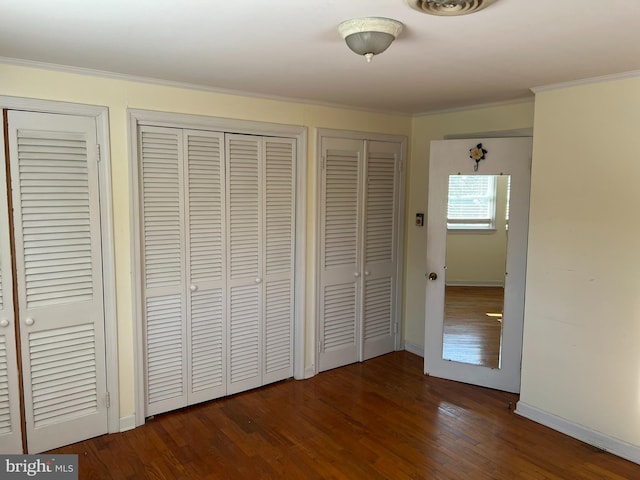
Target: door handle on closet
{"points": [[366, 273], [258, 280], [29, 321], [357, 274], [4, 323], [193, 288]]}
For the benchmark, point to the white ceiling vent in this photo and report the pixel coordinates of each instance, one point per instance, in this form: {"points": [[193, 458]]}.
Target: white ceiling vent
{"points": [[449, 7]]}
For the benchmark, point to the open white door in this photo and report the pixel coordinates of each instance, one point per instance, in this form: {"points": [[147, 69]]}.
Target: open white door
{"points": [[507, 161]]}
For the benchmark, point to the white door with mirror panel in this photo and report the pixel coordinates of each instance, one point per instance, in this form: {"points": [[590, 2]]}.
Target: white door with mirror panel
{"points": [[476, 260]]}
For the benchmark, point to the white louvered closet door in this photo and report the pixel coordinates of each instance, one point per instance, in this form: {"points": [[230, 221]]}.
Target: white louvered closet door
{"points": [[340, 252], [244, 254], [379, 248], [163, 240], [278, 254], [206, 265], [54, 178], [10, 424]]}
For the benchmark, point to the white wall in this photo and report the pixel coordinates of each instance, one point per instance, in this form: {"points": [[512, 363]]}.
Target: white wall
{"points": [[118, 95], [425, 129], [581, 354]]}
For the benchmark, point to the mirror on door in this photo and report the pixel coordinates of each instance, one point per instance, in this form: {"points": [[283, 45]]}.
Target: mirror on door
{"points": [[476, 251]]}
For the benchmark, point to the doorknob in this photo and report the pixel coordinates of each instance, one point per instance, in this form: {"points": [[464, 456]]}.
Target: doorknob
{"points": [[356, 274], [433, 276], [193, 288], [29, 321], [4, 323]]}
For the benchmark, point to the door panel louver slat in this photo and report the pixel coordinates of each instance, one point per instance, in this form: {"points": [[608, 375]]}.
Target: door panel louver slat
{"points": [[278, 321], [341, 209], [164, 348], [162, 238], [207, 343], [52, 168], [377, 311], [244, 334], [279, 207], [53, 365], [205, 208], [244, 195], [379, 223], [5, 401], [339, 316]]}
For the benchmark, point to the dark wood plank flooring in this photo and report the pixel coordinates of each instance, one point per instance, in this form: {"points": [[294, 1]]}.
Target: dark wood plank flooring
{"points": [[374, 420]]}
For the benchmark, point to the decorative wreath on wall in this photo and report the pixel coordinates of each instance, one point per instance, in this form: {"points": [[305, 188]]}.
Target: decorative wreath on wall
{"points": [[477, 153]]}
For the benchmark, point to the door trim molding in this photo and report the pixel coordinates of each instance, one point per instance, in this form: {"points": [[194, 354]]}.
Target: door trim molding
{"points": [[101, 116], [315, 299], [137, 117]]}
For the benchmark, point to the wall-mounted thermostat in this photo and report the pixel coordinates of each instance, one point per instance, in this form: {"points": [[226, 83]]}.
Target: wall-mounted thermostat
{"points": [[419, 219]]}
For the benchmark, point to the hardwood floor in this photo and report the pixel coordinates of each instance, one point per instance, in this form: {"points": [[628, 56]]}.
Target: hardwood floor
{"points": [[470, 335], [374, 420]]}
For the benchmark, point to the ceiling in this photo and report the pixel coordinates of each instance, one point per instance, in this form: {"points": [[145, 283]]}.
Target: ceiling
{"points": [[291, 48]]}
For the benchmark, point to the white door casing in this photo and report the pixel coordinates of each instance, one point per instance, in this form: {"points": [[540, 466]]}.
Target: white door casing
{"points": [[506, 156], [55, 192]]}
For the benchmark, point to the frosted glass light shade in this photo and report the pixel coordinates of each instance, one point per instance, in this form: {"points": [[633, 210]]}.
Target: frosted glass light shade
{"points": [[369, 36], [369, 42]]}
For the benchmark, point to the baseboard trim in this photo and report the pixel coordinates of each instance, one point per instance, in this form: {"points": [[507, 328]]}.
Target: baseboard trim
{"points": [[415, 349], [609, 444], [127, 423]]}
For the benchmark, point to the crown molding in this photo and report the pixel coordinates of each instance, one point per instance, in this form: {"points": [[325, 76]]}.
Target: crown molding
{"points": [[527, 99], [187, 86], [586, 81]]}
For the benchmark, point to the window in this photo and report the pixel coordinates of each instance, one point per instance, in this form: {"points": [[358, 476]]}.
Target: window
{"points": [[472, 202]]}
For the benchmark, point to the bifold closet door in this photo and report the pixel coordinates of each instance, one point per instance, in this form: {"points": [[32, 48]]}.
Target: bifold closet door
{"points": [[182, 220], [260, 213], [205, 265], [340, 252], [10, 423], [58, 257], [358, 249], [278, 257], [380, 248], [163, 240]]}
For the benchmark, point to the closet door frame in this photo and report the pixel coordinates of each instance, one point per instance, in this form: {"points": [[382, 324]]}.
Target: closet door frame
{"points": [[400, 212], [101, 116], [138, 117]]}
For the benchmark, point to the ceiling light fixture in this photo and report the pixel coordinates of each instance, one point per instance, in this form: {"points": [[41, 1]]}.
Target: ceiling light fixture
{"points": [[449, 7], [369, 36]]}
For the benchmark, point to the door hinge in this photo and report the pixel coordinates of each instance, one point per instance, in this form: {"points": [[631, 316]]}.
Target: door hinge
{"points": [[396, 328], [107, 400], [322, 163], [320, 346], [99, 157]]}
